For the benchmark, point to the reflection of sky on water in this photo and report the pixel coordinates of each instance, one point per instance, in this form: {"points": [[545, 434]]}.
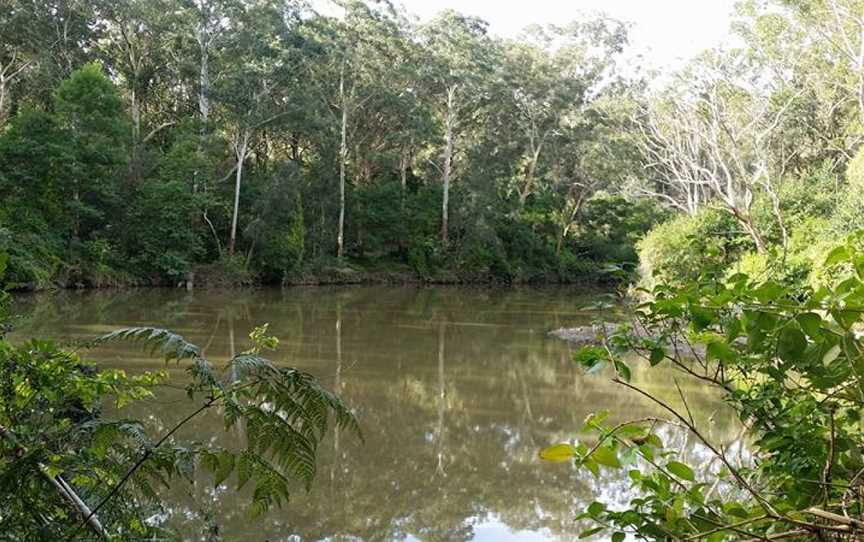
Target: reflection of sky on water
{"points": [[456, 391], [493, 530]]}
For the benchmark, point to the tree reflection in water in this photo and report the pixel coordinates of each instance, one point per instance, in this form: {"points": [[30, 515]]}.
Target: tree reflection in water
{"points": [[455, 389]]}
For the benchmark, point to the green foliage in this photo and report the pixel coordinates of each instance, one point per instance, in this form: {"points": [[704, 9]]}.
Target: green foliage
{"points": [[612, 226], [53, 433], [679, 250], [800, 265], [138, 178], [788, 362]]}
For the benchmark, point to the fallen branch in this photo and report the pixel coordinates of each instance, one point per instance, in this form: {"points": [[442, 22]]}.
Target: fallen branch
{"points": [[66, 491]]}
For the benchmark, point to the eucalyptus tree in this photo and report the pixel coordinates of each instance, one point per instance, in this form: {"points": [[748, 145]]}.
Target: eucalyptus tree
{"points": [[16, 57], [792, 57], [207, 26], [836, 31], [134, 46], [250, 95], [461, 58], [41, 43], [553, 75], [351, 77], [712, 136], [412, 122]]}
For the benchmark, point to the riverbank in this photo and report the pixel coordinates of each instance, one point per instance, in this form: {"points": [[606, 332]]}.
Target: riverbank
{"points": [[219, 276]]}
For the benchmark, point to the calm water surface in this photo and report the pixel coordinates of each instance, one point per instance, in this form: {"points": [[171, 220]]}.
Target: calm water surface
{"points": [[456, 390]]}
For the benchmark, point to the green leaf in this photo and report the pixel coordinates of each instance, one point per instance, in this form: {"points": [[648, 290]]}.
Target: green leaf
{"points": [[791, 344], [618, 536], [832, 354], [590, 532], [224, 468], [596, 508], [721, 351], [837, 255], [590, 356], [654, 440], [623, 370], [592, 466], [811, 323], [733, 329], [701, 317], [657, 355], [647, 452], [558, 453], [681, 471], [846, 319], [606, 456], [769, 291]]}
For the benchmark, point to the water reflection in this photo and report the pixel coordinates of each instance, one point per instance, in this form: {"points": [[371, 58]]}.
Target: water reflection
{"points": [[455, 389]]}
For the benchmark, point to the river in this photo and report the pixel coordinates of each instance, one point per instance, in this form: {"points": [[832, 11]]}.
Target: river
{"points": [[456, 390]]}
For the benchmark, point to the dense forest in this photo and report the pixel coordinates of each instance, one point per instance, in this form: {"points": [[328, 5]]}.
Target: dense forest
{"points": [[231, 142], [152, 141], [147, 141]]}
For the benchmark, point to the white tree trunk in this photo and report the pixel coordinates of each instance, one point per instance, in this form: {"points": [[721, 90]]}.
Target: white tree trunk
{"points": [[343, 158], [136, 116], [448, 160], [241, 149], [204, 74], [3, 92], [529, 176]]}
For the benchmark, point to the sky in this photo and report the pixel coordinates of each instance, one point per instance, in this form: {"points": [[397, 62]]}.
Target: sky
{"points": [[666, 32]]}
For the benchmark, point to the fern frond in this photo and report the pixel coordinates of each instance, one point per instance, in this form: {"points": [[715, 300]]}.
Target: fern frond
{"points": [[174, 347], [249, 364]]}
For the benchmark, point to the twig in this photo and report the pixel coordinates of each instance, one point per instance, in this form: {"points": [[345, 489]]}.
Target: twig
{"points": [[730, 527], [737, 475], [837, 518], [684, 400], [780, 536], [604, 437]]}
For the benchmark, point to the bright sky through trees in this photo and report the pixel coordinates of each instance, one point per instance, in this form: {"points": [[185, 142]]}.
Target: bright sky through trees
{"points": [[666, 32]]}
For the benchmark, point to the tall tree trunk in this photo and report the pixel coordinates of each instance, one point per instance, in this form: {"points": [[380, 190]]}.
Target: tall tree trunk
{"points": [[568, 223], [531, 173], [403, 172], [8, 74], [204, 74], [136, 116], [3, 93], [448, 159], [76, 214], [135, 166], [66, 491], [343, 158], [746, 222], [241, 148]]}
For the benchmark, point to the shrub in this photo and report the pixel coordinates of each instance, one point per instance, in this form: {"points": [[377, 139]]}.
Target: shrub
{"points": [[678, 250], [800, 265], [283, 249], [788, 365]]}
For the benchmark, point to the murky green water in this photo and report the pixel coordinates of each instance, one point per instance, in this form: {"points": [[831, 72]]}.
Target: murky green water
{"points": [[455, 389]]}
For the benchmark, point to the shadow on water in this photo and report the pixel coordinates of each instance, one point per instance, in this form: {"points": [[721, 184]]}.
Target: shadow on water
{"points": [[456, 389]]}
